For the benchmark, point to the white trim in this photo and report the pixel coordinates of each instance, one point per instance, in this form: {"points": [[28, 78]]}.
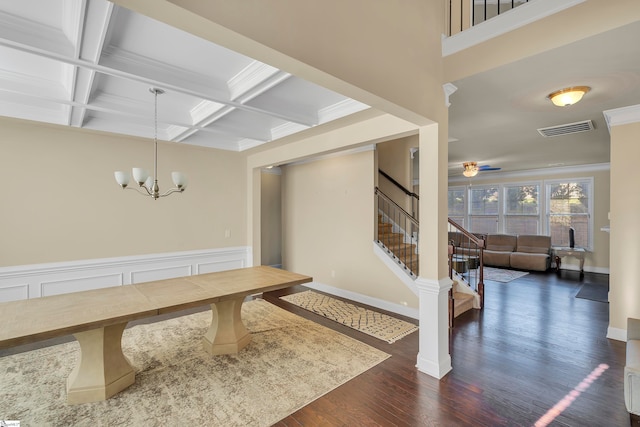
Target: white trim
{"points": [[504, 23], [365, 299], [63, 277], [622, 116], [395, 268], [449, 89], [617, 334], [594, 167]]}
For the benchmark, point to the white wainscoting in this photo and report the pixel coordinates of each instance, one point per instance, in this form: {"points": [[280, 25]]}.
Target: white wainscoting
{"points": [[39, 280]]}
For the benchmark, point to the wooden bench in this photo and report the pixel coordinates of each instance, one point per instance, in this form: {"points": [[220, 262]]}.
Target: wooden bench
{"points": [[97, 319]]}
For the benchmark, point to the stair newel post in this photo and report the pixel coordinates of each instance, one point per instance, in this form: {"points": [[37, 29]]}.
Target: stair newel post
{"points": [[451, 301]]}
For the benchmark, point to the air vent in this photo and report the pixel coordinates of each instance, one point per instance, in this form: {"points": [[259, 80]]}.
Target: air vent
{"points": [[566, 129]]}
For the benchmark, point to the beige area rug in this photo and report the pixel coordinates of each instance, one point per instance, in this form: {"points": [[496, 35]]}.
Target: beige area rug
{"points": [[502, 275], [290, 362], [370, 322]]}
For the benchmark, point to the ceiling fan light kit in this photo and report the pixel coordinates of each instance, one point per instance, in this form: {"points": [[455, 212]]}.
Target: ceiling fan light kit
{"points": [[470, 169], [147, 185], [568, 96]]}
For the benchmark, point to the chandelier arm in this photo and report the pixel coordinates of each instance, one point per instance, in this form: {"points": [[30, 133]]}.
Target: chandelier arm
{"points": [[147, 193], [171, 191]]}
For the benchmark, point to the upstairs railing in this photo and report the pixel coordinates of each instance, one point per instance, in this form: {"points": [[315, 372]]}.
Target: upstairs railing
{"points": [[466, 251], [464, 14], [414, 199], [397, 233]]}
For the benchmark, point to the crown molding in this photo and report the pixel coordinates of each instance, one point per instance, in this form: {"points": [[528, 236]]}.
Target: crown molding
{"points": [[339, 110], [622, 116], [595, 167]]}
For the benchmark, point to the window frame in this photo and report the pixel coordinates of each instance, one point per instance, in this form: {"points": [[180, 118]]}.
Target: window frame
{"points": [[505, 215], [590, 208]]}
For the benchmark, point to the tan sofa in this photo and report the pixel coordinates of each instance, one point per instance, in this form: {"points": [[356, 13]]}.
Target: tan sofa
{"points": [[498, 250], [532, 253], [524, 252]]}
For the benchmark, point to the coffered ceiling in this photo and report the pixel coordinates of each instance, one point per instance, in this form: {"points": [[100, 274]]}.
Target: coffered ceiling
{"points": [[90, 64]]}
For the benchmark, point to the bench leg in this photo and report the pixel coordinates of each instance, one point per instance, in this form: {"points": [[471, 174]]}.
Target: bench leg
{"points": [[103, 370], [227, 334]]}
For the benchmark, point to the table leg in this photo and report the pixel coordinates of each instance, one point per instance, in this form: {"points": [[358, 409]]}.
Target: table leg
{"points": [[227, 334], [558, 261], [103, 370]]}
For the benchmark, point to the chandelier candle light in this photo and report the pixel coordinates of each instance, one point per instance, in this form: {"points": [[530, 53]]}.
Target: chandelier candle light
{"points": [[142, 177]]}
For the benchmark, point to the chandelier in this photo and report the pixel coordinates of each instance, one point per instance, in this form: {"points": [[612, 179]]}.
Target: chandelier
{"points": [[147, 185]]}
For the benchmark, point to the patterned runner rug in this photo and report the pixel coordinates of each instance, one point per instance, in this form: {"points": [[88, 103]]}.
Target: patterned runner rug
{"points": [[289, 362], [370, 322]]}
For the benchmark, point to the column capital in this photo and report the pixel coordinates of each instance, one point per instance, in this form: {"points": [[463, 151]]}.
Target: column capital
{"points": [[433, 286]]}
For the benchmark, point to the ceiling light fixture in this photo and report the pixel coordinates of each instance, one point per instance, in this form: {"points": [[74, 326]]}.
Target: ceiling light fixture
{"points": [[142, 177], [568, 96], [470, 169]]}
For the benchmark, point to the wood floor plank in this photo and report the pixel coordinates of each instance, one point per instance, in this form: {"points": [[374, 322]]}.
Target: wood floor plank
{"points": [[512, 362]]}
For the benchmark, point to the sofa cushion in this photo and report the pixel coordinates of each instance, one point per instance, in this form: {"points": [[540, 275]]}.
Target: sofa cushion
{"points": [[501, 242], [527, 261], [496, 258], [533, 244]]}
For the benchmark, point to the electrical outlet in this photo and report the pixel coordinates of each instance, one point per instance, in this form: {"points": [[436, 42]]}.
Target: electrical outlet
{"points": [[227, 233]]}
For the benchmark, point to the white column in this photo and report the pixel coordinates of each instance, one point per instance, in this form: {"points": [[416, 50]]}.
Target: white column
{"points": [[433, 283], [433, 356]]}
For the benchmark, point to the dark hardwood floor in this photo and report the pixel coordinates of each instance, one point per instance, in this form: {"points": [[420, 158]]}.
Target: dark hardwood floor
{"points": [[532, 348]]}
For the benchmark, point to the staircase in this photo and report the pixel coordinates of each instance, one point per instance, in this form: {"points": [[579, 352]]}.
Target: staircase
{"points": [[405, 255]]}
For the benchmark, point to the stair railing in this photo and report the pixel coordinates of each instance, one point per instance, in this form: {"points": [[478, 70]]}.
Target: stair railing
{"points": [[397, 232], [464, 14], [413, 197], [466, 252]]}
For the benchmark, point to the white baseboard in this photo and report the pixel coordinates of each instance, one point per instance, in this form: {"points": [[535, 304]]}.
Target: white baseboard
{"points": [[38, 280], [364, 299], [617, 334]]}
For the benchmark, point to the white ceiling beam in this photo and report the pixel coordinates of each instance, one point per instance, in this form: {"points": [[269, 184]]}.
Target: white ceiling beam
{"points": [[92, 29]]}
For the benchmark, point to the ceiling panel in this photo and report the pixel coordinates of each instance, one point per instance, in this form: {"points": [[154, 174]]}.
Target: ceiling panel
{"points": [[89, 63]]}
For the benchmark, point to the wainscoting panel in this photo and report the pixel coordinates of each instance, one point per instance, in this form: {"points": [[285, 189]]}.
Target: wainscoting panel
{"points": [[14, 292], [160, 273], [212, 267], [36, 280], [57, 287]]}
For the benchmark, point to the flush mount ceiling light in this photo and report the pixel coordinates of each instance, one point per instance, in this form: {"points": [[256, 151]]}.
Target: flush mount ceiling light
{"points": [[147, 185], [470, 169], [568, 96]]}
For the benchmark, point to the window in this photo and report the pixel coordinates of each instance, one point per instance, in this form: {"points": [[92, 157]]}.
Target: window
{"points": [[457, 210], [483, 212], [521, 209], [570, 204]]}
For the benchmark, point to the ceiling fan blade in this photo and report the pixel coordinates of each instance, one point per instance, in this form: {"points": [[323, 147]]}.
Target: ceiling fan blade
{"points": [[487, 168]]}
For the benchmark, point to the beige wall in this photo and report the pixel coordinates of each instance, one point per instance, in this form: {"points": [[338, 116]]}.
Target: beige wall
{"points": [[598, 260], [624, 293], [60, 201], [271, 218], [394, 158], [329, 222]]}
